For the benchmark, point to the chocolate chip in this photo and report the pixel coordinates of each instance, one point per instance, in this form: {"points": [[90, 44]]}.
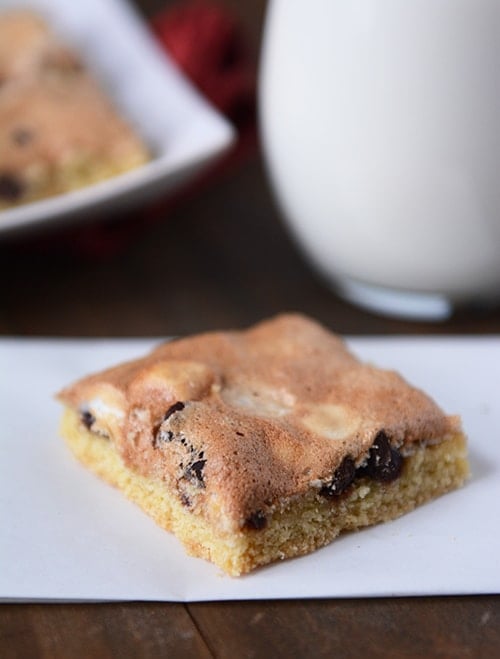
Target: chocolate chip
{"points": [[256, 521], [384, 462], [185, 500], [176, 407], [195, 472], [342, 478], [11, 187], [88, 419], [166, 435], [163, 436], [21, 136], [240, 433]]}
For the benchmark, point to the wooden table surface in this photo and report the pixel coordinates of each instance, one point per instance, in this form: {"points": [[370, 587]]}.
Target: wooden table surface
{"points": [[221, 258]]}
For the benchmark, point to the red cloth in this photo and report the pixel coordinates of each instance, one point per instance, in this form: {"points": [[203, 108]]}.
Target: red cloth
{"points": [[208, 45]]}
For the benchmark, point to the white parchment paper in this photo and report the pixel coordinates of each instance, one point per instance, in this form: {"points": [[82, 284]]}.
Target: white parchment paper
{"points": [[65, 535]]}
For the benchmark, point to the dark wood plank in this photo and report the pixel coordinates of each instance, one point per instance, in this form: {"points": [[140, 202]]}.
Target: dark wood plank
{"points": [[421, 627], [432, 627], [59, 631]]}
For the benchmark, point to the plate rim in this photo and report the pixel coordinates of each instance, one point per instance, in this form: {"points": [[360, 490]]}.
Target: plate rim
{"points": [[53, 210]]}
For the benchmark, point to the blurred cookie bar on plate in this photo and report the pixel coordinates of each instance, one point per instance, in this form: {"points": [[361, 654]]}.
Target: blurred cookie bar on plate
{"points": [[58, 130]]}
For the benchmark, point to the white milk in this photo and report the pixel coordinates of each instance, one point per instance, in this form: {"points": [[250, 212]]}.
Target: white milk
{"points": [[381, 126]]}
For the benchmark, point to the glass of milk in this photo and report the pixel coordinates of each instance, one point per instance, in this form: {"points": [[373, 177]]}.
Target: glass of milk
{"points": [[380, 122]]}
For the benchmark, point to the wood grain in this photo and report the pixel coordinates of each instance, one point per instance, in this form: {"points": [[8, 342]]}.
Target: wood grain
{"points": [[431, 627], [59, 631], [352, 628]]}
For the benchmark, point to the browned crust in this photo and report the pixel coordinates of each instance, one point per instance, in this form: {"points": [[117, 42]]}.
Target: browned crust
{"points": [[269, 413], [296, 527]]}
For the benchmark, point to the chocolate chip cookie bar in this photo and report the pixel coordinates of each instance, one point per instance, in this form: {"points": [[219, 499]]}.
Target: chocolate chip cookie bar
{"points": [[264, 444], [58, 130]]}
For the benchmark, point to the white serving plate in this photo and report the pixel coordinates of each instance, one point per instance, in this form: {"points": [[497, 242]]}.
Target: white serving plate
{"points": [[182, 129], [66, 535]]}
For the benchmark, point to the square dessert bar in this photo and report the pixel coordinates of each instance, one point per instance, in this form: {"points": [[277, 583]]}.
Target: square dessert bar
{"points": [[58, 130], [259, 445]]}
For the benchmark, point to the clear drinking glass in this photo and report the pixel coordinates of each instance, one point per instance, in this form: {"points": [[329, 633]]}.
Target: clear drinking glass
{"points": [[380, 124]]}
